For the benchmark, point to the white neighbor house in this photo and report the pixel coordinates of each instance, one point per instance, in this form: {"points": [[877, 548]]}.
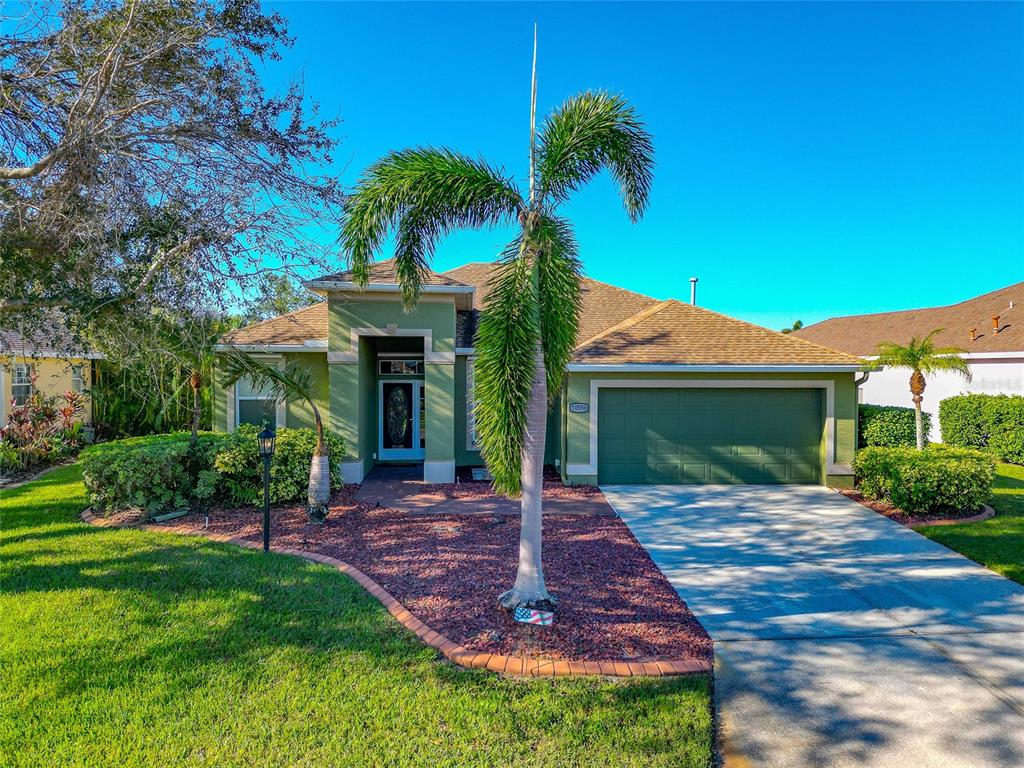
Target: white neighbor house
{"points": [[989, 328]]}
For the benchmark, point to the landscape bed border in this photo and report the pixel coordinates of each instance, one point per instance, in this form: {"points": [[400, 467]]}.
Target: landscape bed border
{"points": [[457, 654]]}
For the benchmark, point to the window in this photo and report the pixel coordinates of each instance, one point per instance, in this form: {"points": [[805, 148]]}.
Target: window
{"points": [[254, 406], [77, 379], [400, 367], [471, 441], [21, 383]]}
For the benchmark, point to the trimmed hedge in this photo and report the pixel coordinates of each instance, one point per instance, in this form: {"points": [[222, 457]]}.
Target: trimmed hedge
{"points": [[937, 479], [992, 423], [889, 425], [240, 467], [160, 473]]}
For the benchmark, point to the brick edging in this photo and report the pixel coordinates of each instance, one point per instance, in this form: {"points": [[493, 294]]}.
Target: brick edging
{"points": [[509, 665], [985, 514]]}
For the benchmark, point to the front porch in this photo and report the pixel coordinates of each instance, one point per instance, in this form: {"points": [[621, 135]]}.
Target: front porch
{"points": [[393, 399]]}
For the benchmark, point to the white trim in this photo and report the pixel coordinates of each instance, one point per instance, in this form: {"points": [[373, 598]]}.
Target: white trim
{"points": [[439, 471], [831, 468], [686, 368], [471, 444], [465, 350], [400, 454], [351, 472], [309, 345], [343, 285], [977, 356], [280, 405], [352, 355]]}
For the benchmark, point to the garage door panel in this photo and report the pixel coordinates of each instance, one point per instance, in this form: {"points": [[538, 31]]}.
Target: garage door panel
{"points": [[717, 435]]}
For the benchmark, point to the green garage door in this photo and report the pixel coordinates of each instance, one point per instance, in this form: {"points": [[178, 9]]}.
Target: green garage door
{"points": [[709, 436]]}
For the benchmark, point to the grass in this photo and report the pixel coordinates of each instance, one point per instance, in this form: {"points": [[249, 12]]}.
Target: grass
{"points": [[997, 543], [134, 648]]}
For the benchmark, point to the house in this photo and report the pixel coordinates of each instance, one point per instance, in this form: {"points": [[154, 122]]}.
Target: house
{"points": [[54, 366], [658, 391], [989, 328]]}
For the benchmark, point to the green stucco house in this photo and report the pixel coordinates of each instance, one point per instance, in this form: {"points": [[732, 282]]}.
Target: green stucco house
{"points": [[658, 391]]}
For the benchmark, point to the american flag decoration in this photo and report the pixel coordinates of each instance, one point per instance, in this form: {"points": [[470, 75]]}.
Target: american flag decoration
{"points": [[531, 616]]}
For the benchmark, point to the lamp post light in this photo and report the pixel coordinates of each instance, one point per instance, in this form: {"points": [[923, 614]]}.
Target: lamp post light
{"points": [[265, 439]]}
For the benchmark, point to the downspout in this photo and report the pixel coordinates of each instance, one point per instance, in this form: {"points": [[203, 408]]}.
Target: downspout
{"points": [[857, 383]]}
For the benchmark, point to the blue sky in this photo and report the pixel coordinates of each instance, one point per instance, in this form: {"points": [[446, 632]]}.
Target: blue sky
{"points": [[812, 159]]}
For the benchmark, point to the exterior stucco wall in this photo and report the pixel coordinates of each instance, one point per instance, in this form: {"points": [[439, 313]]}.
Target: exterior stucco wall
{"points": [[465, 456], [53, 378], [381, 324], [578, 390], [891, 386]]}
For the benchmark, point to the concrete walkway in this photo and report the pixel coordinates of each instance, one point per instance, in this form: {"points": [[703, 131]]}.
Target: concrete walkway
{"points": [[841, 638]]}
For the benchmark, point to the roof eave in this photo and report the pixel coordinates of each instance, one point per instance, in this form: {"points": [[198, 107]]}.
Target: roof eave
{"points": [[704, 368]]}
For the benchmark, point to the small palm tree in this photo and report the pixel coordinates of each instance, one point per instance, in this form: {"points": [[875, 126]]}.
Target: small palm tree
{"points": [[529, 324], [295, 382], [923, 358]]}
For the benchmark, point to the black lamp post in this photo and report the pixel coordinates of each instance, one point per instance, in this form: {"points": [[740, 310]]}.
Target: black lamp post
{"points": [[265, 439]]}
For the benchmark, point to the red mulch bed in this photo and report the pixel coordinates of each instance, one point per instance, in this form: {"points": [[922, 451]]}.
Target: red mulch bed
{"points": [[897, 514], [481, 489], [448, 570]]}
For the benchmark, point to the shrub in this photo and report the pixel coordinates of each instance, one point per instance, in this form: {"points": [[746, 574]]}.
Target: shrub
{"points": [[241, 468], [889, 425], [159, 473], [937, 479], [992, 423], [156, 473], [43, 430]]}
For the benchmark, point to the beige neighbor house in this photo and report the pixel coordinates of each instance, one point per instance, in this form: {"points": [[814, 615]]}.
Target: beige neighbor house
{"points": [[657, 392], [988, 328], [56, 370]]}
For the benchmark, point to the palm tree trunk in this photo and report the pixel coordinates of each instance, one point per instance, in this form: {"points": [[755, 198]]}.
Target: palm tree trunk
{"points": [[917, 385], [319, 492], [529, 589]]}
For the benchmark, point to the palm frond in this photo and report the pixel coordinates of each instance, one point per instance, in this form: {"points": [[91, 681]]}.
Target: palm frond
{"points": [[560, 276], [921, 354], [588, 133], [293, 381], [424, 194], [506, 343]]}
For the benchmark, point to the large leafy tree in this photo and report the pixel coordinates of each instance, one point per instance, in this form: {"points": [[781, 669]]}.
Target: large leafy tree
{"points": [[142, 160], [922, 358], [528, 328]]}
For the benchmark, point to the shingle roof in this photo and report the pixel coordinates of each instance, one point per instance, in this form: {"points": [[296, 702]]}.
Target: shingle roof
{"points": [[617, 326], [293, 328], [860, 334], [671, 332], [603, 305], [47, 338], [384, 272]]}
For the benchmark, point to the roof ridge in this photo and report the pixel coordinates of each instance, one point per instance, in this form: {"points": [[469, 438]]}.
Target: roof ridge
{"points": [[769, 330], [277, 317], [938, 308], [629, 322], [620, 288]]}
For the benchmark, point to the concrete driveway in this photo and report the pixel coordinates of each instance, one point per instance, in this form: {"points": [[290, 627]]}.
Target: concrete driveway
{"points": [[841, 638]]}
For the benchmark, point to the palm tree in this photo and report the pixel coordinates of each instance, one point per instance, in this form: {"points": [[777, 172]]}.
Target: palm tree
{"points": [[529, 323], [923, 358], [294, 382]]}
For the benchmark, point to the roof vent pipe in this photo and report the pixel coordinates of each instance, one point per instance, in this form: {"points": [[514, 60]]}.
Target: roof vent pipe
{"points": [[693, 291], [974, 334], [995, 323]]}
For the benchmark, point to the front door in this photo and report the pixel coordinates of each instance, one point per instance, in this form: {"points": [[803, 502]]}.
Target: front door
{"points": [[401, 415]]}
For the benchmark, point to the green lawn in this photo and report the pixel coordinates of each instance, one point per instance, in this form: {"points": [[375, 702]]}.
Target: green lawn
{"points": [[127, 648], [997, 543]]}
